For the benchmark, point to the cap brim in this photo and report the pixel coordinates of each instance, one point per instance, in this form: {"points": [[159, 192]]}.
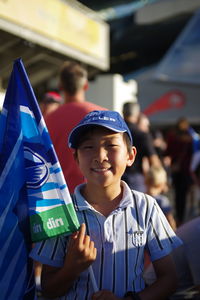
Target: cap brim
{"points": [[76, 133]]}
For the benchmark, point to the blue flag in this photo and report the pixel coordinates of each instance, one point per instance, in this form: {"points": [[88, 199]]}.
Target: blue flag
{"points": [[34, 200]]}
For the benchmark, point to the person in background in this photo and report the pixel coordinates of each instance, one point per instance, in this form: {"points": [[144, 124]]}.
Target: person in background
{"points": [[51, 101], [195, 168], [73, 83], [117, 224], [147, 156], [143, 122], [186, 257], [195, 139], [187, 262], [194, 205], [159, 143], [179, 150], [157, 185]]}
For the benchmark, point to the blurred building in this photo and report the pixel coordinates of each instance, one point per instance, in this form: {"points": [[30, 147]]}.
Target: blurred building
{"points": [[170, 89], [46, 33], [118, 41], [111, 91]]}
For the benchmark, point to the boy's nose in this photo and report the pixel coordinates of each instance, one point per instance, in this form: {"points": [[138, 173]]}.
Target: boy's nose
{"points": [[101, 154]]}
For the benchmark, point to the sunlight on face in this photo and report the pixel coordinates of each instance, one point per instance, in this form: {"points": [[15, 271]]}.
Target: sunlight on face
{"points": [[103, 156]]}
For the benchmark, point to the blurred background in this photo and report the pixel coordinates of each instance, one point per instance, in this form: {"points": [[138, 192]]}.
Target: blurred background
{"points": [[140, 50]]}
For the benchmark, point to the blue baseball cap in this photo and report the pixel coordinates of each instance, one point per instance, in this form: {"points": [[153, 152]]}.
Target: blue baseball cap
{"points": [[105, 118]]}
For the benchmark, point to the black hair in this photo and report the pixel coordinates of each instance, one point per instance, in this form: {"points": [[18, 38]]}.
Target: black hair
{"points": [[130, 108], [86, 132]]}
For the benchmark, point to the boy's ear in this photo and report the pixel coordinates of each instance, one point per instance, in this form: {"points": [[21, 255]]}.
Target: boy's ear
{"points": [[132, 156]]}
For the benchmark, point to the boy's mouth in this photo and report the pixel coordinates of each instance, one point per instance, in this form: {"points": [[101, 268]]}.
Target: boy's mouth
{"points": [[101, 170]]}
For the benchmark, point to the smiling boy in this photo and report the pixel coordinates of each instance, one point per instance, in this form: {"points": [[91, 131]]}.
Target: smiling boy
{"points": [[118, 224]]}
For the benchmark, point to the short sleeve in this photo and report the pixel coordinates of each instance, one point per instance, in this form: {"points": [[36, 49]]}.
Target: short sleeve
{"points": [[161, 239], [164, 204], [50, 252]]}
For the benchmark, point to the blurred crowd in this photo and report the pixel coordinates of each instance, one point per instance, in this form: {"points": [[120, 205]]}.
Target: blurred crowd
{"points": [[176, 152]]}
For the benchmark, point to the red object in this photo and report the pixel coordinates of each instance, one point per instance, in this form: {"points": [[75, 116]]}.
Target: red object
{"points": [[52, 97], [170, 100]]}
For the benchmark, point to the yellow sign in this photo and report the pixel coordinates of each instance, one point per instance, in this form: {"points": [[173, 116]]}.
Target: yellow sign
{"points": [[61, 22]]}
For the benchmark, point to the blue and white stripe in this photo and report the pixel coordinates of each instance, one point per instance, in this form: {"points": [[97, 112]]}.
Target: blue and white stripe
{"points": [[53, 192]]}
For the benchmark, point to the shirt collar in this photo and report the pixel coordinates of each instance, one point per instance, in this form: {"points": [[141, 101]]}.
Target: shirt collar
{"points": [[82, 204]]}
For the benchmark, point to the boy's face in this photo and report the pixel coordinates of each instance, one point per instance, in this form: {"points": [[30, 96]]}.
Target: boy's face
{"points": [[103, 157]]}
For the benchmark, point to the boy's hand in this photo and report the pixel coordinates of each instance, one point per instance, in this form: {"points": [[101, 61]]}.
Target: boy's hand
{"points": [[104, 295], [81, 251]]}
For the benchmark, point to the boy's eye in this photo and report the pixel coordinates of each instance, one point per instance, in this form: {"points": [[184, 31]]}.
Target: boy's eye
{"points": [[87, 147], [112, 145]]}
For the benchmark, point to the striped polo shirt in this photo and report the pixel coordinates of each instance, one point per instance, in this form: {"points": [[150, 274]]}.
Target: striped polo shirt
{"points": [[121, 238]]}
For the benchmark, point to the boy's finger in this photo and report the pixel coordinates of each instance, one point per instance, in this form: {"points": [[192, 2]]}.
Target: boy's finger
{"points": [[87, 241], [94, 253], [81, 234]]}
